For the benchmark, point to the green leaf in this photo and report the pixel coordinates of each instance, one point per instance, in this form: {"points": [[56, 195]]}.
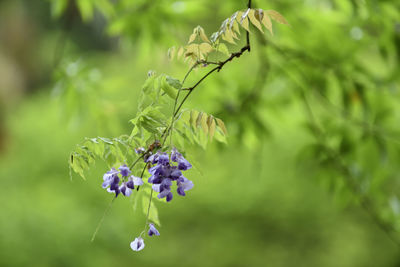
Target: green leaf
{"points": [[86, 9], [174, 82], [223, 49], [58, 7], [168, 86]]}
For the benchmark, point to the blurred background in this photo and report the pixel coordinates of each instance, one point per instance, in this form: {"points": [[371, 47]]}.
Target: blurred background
{"points": [[310, 175]]}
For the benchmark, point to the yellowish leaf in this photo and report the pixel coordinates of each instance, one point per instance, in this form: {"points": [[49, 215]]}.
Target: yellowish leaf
{"points": [[266, 21], [254, 20], [204, 124], [277, 16], [198, 120], [259, 14], [193, 117], [192, 48], [236, 27], [228, 36], [203, 36], [192, 38], [233, 19], [244, 16], [171, 53], [211, 126], [223, 49], [221, 125], [206, 48], [224, 26], [180, 51], [245, 24], [214, 37]]}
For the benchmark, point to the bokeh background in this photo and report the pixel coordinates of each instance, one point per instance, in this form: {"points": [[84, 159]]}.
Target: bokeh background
{"points": [[310, 175]]}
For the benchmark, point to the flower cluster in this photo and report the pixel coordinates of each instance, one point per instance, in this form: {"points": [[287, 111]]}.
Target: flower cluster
{"points": [[164, 173], [112, 181]]}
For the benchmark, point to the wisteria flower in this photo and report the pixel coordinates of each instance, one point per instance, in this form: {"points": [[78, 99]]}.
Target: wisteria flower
{"points": [[184, 184], [124, 170], [183, 164], [125, 190], [109, 177], [137, 244], [164, 172], [153, 230]]}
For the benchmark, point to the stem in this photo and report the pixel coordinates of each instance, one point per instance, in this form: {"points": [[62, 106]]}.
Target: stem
{"points": [[148, 208], [218, 68], [247, 33], [176, 100], [137, 160], [102, 219]]}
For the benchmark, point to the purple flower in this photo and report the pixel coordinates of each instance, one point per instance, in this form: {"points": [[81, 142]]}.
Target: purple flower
{"points": [[125, 190], [183, 164], [164, 193], [132, 181], [175, 173], [153, 159], [137, 244], [130, 184], [112, 181], [163, 173], [108, 177], [163, 159], [153, 230], [140, 150], [124, 170], [184, 184], [169, 197]]}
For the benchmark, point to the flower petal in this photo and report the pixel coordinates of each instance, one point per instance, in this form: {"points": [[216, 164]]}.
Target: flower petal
{"points": [[137, 244]]}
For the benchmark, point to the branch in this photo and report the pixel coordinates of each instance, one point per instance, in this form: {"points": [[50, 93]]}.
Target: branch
{"points": [[218, 68]]}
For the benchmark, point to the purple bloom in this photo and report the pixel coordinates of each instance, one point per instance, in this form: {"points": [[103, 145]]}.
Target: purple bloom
{"points": [[153, 159], [175, 155], [137, 181], [133, 180], [164, 193], [163, 159], [175, 174], [184, 184], [153, 230], [163, 174], [140, 150], [137, 244], [124, 170], [126, 191], [183, 164], [108, 177], [156, 187], [130, 184], [169, 197]]}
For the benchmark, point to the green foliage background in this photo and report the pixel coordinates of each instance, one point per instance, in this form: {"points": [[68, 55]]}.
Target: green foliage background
{"points": [[310, 174]]}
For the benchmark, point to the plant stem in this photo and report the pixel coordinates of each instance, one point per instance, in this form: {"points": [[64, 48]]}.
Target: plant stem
{"points": [[102, 219], [218, 68]]}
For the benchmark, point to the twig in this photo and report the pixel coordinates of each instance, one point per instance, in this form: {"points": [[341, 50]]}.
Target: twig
{"points": [[102, 219], [218, 68]]}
